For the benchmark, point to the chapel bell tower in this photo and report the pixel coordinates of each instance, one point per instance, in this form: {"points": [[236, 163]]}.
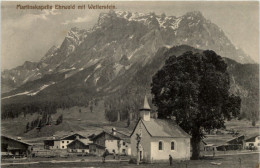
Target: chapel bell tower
{"points": [[145, 111]]}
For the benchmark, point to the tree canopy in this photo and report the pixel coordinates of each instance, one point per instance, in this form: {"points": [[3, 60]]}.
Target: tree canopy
{"points": [[194, 88]]}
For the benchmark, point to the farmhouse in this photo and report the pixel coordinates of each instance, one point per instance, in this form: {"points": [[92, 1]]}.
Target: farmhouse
{"points": [[253, 142], [233, 144], [159, 138], [79, 146], [115, 142], [125, 148], [61, 143], [11, 146]]}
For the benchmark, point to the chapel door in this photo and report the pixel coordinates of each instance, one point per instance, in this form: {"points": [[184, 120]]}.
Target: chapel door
{"points": [[141, 155]]}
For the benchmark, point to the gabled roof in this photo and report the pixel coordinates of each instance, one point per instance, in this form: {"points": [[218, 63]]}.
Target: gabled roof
{"points": [[72, 137], [252, 139], [84, 141], [105, 132], [163, 128], [123, 136], [98, 146], [4, 136], [91, 136], [237, 139]]}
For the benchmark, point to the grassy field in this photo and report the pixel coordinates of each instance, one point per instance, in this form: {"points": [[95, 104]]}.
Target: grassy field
{"points": [[247, 161], [75, 119]]}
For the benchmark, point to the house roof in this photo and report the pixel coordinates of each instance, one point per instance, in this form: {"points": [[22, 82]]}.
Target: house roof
{"points": [[236, 139], [105, 132], [72, 137], [251, 139], [99, 146], [163, 128], [123, 136], [84, 141], [91, 136], [4, 136]]}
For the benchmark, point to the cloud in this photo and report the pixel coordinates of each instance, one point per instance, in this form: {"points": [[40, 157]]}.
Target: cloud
{"points": [[78, 20], [26, 21]]}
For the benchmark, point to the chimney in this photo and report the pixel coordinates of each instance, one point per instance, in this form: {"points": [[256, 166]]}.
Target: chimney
{"points": [[77, 137], [114, 131], [145, 111]]}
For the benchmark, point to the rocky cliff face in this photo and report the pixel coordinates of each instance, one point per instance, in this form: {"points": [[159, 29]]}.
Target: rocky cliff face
{"points": [[135, 36]]}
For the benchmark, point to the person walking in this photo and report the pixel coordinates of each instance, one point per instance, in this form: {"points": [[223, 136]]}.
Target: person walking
{"points": [[170, 159], [114, 154], [105, 155]]}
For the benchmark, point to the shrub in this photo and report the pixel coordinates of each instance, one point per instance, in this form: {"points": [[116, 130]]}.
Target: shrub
{"points": [[132, 161]]}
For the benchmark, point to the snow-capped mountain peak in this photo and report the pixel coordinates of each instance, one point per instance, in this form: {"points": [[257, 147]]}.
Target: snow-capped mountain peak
{"points": [[132, 35]]}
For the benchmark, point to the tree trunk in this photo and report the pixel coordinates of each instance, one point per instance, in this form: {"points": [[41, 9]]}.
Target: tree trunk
{"points": [[195, 143]]}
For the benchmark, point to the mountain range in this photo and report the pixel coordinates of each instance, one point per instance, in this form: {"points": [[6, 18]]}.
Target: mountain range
{"points": [[115, 61]]}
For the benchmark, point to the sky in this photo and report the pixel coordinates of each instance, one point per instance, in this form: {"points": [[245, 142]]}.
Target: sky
{"points": [[26, 35]]}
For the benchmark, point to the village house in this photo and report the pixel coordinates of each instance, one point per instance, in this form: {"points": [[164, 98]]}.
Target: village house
{"points": [[125, 148], [253, 142], [61, 143], [159, 138], [236, 143], [79, 146], [14, 147], [115, 142]]}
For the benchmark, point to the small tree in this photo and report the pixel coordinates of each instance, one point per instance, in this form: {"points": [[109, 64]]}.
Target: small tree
{"points": [[49, 120], [59, 120], [128, 122], [39, 126], [28, 127], [32, 124], [91, 108], [253, 123]]}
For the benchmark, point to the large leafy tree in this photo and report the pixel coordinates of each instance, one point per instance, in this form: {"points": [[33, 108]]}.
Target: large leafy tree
{"points": [[195, 89]]}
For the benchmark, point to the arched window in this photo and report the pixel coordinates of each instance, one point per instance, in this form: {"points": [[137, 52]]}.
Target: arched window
{"points": [[172, 145], [160, 145]]}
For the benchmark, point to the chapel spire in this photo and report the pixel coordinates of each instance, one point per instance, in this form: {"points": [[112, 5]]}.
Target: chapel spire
{"points": [[145, 110]]}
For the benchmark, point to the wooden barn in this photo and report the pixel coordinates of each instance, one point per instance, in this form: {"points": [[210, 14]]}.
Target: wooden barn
{"points": [[11, 146]]}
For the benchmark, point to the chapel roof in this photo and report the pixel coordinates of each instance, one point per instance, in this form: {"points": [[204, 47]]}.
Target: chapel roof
{"points": [[163, 128]]}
